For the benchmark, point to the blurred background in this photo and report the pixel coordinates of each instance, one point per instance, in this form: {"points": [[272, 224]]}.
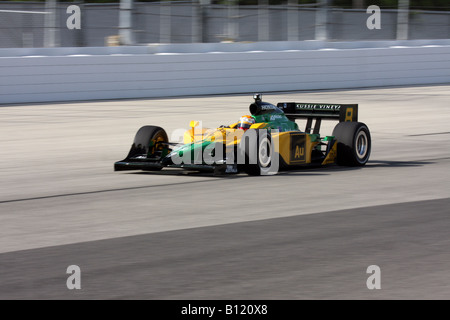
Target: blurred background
{"points": [[27, 24]]}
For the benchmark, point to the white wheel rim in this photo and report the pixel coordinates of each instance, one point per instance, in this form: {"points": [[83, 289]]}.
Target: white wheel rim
{"points": [[362, 144], [264, 152]]}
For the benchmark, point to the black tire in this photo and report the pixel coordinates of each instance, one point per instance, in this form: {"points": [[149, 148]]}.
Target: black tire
{"points": [[353, 143], [264, 157], [146, 136]]}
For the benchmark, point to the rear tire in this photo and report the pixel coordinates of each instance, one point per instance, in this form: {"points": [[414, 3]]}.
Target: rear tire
{"points": [[264, 156], [353, 143]]}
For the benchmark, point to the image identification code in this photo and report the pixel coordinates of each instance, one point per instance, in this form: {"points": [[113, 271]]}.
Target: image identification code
{"points": [[234, 309], [242, 309]]}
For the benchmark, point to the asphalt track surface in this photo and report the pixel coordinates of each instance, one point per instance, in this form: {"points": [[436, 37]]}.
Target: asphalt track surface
{"points": [[304, 234]]}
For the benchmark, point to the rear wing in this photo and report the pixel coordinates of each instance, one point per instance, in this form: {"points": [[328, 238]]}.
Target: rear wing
{"points": [[319, 111]]}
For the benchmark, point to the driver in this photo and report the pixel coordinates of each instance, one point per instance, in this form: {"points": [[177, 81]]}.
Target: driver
{"points": [[245, 122]]}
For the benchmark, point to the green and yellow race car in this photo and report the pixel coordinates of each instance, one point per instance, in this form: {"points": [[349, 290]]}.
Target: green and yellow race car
{"points": [[262, 143]]}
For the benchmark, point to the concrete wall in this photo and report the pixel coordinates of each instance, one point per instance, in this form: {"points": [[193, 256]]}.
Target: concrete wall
{"points": [[138, 74]]}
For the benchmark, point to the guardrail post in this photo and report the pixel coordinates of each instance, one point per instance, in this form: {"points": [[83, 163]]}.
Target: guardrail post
{"points": [[402, 19], [292, 21], [263, 20], [50, 24], [125, 22], [321, 20], [165, 22]]}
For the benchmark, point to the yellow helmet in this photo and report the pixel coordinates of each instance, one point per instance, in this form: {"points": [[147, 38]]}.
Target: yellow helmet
{"points": [[245, 122]]}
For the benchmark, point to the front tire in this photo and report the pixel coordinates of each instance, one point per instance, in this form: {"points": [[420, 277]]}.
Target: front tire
{"points": [[354, 143], [148, 142]]}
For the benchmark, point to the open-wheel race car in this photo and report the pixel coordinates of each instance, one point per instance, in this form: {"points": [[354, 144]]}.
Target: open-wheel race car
{"points": [[264, 142]]}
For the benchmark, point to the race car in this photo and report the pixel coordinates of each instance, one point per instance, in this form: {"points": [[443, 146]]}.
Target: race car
{"points": [[262, 143]]}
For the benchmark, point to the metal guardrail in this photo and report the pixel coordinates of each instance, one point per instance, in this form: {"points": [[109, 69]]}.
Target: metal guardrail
{"points": [[45, 25]]}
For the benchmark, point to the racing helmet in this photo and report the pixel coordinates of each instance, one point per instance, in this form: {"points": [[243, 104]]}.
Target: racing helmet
{"points": [[245, 122]]}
